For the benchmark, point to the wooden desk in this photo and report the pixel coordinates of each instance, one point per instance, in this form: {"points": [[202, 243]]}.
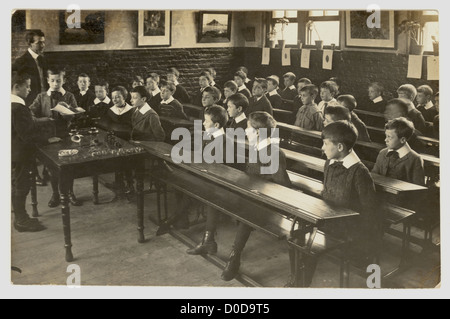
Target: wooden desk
{"points": [[85, 164], [371, 118], [193, 110], [284, 116], [378, 135], [175, 123]]}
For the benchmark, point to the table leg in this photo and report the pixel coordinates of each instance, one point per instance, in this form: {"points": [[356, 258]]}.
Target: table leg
{"points": [[64, 190], [95, 189], [33, 192], [140, 172]]}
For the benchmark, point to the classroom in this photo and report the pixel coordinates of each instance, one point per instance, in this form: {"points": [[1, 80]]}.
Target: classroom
{"points": [[182, 148]]}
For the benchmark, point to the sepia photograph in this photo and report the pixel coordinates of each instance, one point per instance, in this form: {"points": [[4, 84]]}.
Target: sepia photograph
{"points": [[292, 149]]}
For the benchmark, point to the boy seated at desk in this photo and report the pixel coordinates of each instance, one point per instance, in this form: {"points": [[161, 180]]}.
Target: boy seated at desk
{"points": [[121, 112], [424, 102], [348, 183], [377, 103], [247, 81], [169, 106], [102, 102], [237, 105], [290, 92], [259, 102], [211, 97], [229, 89], [349, 102], [154, 93], [409, 93], [272, 92], [137, 81], [338, 82], [309, 116], [173, 75], [297, 104], [240, 78], [84, 96], [42, 112], [328, 90], [398, 160], [213, 75], [214, 123], [204, 82]]}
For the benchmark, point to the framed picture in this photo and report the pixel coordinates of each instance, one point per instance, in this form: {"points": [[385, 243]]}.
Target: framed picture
{"points": [[154, 28], [214, 27], [86, 28], [359, 34]]}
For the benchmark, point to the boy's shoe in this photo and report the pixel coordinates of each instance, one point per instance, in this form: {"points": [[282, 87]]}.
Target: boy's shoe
{"points": [[30, 225], [55, 201], [73, 200]]}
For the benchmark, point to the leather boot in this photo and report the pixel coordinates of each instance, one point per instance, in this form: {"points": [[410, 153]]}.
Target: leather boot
{"points": [[232, 267], [73, 199], [164, 228], [207, 246], [55, 201]]}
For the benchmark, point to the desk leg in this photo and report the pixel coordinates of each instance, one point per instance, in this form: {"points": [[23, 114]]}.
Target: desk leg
{"points": [[33, 192], [95, 189], [140, 172], [64, 189]]}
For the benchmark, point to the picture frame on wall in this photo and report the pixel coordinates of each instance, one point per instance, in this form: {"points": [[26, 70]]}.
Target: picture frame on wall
{"points": [[89, 30], [214, 27], [359, 34], [154, 28]]}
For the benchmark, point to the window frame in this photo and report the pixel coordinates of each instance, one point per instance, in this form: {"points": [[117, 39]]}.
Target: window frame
{"points": [[322, 19], [273, 21], [423, 19]]}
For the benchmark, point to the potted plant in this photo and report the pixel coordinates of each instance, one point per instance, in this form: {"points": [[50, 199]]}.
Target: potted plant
{"points": [[272, 37], [435, 45], [412, 30], [310, 27], [284, 22]]}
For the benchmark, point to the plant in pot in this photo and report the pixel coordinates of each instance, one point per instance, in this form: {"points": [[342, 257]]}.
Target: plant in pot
{"points": [[272, 38], [284, 22], [412, 31], [435, 45], [310, 27]]}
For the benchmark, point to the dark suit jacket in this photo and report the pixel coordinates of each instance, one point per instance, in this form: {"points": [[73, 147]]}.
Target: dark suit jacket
{"points": [[262, 105], [182, 95], [85, 101], [275, 100], [288, 94], [26, 64], [154, 102]]}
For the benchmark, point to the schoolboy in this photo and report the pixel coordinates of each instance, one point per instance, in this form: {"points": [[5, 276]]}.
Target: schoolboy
{"points": [[169, 106], [349, 102], [204, 82], [272, 92], [409, 93], [239, 78], [102, 103], [309, 116], [121, 111], [424, 103], [328, 90], [290, 92], [377, 103], [154, 93], [335, 114], [297, 104], [259, 101], [84, 96], [436, 118], [230, 88], [237, 105], [338, 82], [398, 160], [213, 74], [173, 75], [247, 81]]}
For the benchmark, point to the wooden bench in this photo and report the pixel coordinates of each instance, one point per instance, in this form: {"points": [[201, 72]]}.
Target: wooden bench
{"points": [[193, 111], [284, 116], [371, 118]]}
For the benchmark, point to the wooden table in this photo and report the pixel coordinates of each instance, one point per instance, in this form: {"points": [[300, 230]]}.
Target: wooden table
{"points": [[90, 161]]}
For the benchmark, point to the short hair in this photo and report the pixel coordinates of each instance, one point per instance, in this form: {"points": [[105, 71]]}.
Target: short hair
{"points": [[273, 80], [218, 115], [137, 78], [231, 85], [262, 82], [103, 83], [305, 80], [19, 78], [207, 75], [378, 86], [425, 89], [30, 36], [122, 90], [243, 69], [141, 90], [409, 89], [336, 80], [174, 71], [56, 72], [331, 86], [311, 89], [241, 74], [240, 100], [402, 126], [212, 71], [84, 75], [348, 100], [170, 86], [215, 92], [338, 113], [290, 75], [401, 103], [261, 119], [155, 76], [343, 132]]}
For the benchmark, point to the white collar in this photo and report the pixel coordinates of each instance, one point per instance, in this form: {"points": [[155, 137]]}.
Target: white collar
{"points": [[274, 92], [292, 87], [377, 99], [145, 108], [33, 54], [176, 83], [402, 151], [247, 80], [242, 87], [429, 105], [240, 118], [332, 102], [170, 100], [156, 92], [265, 143], [259, 98], [202, 89], [215, 132], [118, 111], [17, 99], [350, 160], [213, 83], [63, 92], [106, 100], [83, 93]]}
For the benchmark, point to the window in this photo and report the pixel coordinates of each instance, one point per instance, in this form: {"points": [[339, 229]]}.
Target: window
{"points": [[430, 29], [323, 25], [290, 30]]}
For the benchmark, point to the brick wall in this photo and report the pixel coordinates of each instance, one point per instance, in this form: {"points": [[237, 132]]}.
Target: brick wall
{"points": [[356, 69]]}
